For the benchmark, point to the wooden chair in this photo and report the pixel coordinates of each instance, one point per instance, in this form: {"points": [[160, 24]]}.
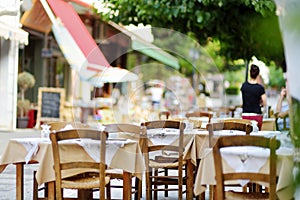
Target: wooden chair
{"points": [[54, 126], [128, 131], [239, 120], [221, 176], [197, 114], [221, 111], [200, 114], [162, 161], [83, 182], [164, 115], [62, 124], [227, 125]]}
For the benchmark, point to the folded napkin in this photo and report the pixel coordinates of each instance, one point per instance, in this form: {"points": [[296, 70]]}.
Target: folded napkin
{"points": [[31, 145]]}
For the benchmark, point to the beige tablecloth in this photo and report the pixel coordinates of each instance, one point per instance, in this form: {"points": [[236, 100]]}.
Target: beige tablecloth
{"points": [[16, 152], [268, 124]]}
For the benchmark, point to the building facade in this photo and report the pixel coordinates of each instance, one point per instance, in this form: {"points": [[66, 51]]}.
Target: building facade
{"points": [[12, 38], [45, 59]]}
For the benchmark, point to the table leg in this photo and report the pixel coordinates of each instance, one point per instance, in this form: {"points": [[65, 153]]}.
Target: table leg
{"points": [[19, 181], [51, 190], [85, 194], [127, 185], [212, 192], [189, 180]]}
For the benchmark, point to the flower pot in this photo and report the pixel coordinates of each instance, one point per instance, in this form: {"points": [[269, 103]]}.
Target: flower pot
{"points": [[22, 122]]}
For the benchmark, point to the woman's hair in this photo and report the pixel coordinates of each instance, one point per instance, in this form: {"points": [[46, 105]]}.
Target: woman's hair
{"points": [[254, 71]]}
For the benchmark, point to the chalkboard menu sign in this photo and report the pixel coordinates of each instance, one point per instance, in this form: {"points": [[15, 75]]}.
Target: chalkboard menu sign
{"points": [[50, 103]]}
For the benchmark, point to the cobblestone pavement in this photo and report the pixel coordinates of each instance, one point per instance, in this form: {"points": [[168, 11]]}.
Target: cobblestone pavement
{"points": [[8, 182]]}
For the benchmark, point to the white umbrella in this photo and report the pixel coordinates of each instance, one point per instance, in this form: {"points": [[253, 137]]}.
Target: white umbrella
{"points": [[112, 75]]}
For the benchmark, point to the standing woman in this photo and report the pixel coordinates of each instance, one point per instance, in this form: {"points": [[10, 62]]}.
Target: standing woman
{"points": [[254, 96]]}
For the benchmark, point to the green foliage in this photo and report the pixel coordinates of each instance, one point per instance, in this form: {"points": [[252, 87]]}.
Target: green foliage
{"points": [[235, 78], [232, 90], [228, 30], [241, 26], [276, 77], [213, 48], [131, 61]]}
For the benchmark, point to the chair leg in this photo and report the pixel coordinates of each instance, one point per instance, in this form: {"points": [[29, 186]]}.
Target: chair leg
{"points": [[108, 191], [166, 186], [148, 185], [138, 189], [85, 194], [59, 193], [180, 183], [35, 187], [155, 186]]}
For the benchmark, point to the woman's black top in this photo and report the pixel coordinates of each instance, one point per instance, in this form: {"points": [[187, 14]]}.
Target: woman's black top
{"points": [[251, 94]]}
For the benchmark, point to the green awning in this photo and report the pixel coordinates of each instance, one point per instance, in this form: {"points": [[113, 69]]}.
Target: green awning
{"points": [[155, 53], [147, 48]]}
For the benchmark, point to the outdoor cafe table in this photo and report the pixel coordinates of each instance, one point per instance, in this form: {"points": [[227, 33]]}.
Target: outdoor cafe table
{"points": [[196, 146], [195, 141], [206, 170], [37, 150]]}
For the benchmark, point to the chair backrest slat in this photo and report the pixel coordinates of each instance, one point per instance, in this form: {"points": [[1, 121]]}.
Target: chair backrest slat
{"points": [[209, 115], [129, 131], [122, 127], [62, 124], [239, 126]]}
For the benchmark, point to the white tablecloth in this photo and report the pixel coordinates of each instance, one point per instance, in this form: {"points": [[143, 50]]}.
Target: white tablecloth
{"points": [[284, 189], [40, 150]]}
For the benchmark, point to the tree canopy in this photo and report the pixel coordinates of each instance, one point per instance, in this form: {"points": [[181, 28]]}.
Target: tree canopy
{"points": [[243, 27]]}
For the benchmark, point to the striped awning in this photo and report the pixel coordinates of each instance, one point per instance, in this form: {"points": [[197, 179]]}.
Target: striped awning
{"points": [[74, 40]]}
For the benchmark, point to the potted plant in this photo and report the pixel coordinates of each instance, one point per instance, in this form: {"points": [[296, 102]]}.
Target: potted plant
{"points": [[25, 81]]}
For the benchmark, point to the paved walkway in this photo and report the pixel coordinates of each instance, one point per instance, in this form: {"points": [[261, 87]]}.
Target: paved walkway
{"points": [[7, 177]]}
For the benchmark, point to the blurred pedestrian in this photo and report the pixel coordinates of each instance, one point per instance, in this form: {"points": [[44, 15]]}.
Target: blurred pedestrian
{"points": [[156, 95], [282, 109], [254, 97]]}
